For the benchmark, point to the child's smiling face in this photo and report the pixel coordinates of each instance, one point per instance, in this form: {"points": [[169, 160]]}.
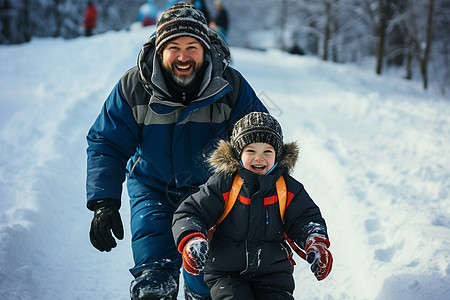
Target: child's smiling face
{"points": [[258, 157]]}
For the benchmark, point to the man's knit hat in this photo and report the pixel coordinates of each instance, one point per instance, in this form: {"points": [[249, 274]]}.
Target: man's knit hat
{"points": [[182, 19], [257, 127]]}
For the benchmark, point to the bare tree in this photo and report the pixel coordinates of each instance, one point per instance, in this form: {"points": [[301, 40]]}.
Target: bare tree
{"points": [[283, 21], [381, 33], [440, 55], [419, 30], [6, 16], [326, 30], [424, 56], [20, 20], [14, 21]]}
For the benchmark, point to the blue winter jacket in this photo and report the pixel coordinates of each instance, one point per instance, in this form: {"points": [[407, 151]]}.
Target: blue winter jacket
{"points": [[159, 141]]}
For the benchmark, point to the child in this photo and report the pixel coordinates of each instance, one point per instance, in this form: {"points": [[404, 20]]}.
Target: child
{"points": [[247, 256]]}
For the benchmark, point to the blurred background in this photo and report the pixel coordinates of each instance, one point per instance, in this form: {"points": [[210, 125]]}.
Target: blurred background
{"points": [[411, 36]]}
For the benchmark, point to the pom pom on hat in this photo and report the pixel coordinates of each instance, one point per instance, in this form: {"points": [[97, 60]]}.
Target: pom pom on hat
{"points": [[182, 19]]}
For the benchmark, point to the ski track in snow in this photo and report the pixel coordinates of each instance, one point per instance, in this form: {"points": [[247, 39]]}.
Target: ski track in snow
{"points": [[374, 155]]}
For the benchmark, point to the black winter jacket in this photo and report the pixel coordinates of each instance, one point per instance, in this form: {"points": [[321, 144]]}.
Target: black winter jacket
{"points": [[250, 240]]}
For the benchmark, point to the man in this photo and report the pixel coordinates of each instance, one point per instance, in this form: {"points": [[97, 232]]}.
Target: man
{"points": [[220, 22], [90, 18], [158, 126]]}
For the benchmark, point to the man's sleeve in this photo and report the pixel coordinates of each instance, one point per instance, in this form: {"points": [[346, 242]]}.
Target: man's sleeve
{"points": [[112, 140], [246, 102]]}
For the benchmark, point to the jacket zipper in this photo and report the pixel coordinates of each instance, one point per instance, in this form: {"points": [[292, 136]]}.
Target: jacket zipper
{"points": [[246, 258]]}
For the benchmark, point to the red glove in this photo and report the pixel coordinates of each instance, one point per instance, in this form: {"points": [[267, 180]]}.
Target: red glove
{"points": [[194, 249], [318, 255]]}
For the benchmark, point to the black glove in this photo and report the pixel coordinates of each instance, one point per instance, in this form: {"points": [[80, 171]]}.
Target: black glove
{"points": [[106, 218]]}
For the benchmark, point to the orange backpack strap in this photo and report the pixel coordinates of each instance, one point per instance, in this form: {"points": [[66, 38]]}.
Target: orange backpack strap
{"points": [[282, 196], [234, 193], [282, 201], [294, 247]]}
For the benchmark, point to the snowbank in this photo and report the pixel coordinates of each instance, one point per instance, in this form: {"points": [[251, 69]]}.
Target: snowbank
{"points": [[374, 156]]}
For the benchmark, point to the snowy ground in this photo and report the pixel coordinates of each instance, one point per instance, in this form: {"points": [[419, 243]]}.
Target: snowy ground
{"points": [[375, 156]]}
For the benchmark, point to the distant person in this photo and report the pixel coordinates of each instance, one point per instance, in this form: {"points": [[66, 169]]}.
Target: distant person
{"points": [[253, 203], [200, 4], [220, 21], [90, 18], [296, 49], [148, 13]]}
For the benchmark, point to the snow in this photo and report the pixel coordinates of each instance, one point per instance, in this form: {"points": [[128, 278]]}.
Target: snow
{"points": [[375, 156]]}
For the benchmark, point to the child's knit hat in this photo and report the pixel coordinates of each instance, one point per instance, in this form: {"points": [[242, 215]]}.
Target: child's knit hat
{"points": [[257, 127], [182, 19]]}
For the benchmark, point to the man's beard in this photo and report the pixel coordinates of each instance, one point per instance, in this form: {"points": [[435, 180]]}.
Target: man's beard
{"points": [[184, 80]]}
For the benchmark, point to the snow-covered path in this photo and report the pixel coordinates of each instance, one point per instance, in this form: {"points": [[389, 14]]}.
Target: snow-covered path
{"points": [[374, 155]]}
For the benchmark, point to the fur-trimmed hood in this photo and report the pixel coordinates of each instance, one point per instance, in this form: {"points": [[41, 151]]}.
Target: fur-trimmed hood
{"points": [[223, 159]]}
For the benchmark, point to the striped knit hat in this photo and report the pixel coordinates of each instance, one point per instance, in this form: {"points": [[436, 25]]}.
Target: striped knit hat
{"points": [[182, 19], [257, 127]]}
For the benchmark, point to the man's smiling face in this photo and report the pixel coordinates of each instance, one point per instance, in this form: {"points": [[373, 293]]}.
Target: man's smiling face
{"points": [[182, 58]]}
